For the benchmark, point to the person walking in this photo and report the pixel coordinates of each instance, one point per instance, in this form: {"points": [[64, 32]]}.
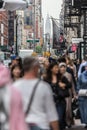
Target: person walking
{"points": [[82, 85], [72, 93], [58, 83], [11, 110], [42, 113]]}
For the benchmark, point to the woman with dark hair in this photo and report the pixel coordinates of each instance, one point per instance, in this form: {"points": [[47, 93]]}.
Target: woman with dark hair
{"points": [[16, 72], [19, 61], [59, 85]]}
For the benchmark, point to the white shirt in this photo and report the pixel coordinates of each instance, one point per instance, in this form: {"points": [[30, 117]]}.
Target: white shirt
{"points": [[42, 109], [5, 94]]}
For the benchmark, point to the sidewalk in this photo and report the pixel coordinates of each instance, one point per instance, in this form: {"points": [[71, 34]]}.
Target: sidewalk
{"points": [[77, 126]]}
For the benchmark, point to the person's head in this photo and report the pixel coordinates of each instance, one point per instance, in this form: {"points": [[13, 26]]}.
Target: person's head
{"points": [[19, 61], [16, 72], [85, 66], [46, 63], [68, 60], [31, 66], [13, 60], [53, 69], [51, 59], [62, 59], [62, 68], [4, 76]]}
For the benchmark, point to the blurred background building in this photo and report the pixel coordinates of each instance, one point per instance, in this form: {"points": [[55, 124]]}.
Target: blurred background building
{"points": [[75, 25], [3, 30]]}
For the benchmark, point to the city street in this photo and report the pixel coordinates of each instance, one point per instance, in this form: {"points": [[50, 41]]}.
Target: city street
{"points": [[77, 126], [43, 64]]}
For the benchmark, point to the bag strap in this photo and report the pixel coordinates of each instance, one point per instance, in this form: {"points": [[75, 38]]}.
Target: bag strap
{"points": [[32, 97]]}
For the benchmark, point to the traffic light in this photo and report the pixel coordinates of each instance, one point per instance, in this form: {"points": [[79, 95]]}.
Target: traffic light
{"points": [[1, 3]]}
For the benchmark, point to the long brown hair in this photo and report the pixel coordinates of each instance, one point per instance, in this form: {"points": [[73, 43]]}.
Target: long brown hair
{"points": [[12, 69], [48, 77]]}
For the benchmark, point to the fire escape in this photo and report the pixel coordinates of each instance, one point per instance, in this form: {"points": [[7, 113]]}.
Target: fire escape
{"points": [[77, 9], [71, 12]]}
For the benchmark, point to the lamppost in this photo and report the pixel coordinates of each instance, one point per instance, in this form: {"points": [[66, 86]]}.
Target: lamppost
{"points": [[17, 22], [16, 44], [34, 26]]}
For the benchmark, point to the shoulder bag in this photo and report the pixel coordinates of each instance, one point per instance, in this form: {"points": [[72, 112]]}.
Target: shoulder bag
{"points": [[32, 97]]}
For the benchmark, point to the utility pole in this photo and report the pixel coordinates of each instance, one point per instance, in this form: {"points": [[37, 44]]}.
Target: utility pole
{"points": [[16, 46], [34, 26]]}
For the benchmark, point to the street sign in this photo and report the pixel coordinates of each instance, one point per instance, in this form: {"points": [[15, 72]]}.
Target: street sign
{"points": [[31, 40], [85, 36], [77, 40]]}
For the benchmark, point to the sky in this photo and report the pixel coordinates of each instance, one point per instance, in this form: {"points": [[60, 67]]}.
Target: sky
{"points": [[51, 7]]}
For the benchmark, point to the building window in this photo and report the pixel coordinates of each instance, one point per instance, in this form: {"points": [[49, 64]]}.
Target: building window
{"points": [[11, 24], [2, 40], [2, 28]]}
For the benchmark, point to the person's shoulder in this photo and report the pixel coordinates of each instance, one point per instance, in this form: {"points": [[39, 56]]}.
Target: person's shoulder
{"points": [[83, 63], [17, 83], [67, 74], [16, 95], [45, 87], [44, 84], [80, 76]]}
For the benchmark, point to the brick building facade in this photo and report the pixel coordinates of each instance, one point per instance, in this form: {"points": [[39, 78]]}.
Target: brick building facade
{"points": [[3, 29]]}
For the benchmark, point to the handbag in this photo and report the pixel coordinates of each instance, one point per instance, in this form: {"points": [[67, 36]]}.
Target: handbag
{"points": [[63, 93], [75, 109], [32, 98], [82, 93]]}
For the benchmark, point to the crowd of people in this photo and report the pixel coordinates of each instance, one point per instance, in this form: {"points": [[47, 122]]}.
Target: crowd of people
{"points": [[37, 94]]}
